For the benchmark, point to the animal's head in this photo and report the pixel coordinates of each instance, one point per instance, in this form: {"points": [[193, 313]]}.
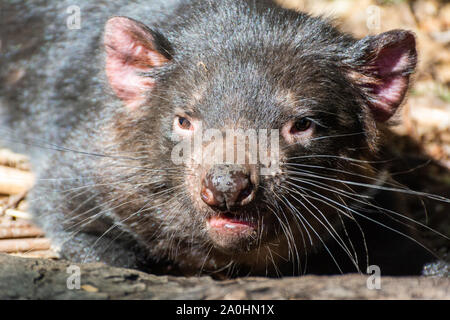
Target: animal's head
{"points": [[256, 120]]}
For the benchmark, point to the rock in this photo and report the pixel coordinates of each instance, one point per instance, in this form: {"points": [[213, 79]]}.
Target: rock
{"points": [[28, 278]]}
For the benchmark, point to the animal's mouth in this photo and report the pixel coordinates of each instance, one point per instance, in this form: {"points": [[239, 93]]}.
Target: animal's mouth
{"points": [[232, 233], [230, 223]]}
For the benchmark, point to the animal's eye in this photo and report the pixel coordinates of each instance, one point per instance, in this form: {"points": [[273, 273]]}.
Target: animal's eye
{"points": [[301, 125], [184, 123]]}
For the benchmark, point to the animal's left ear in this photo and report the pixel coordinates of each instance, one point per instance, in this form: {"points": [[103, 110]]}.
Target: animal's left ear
{"points": [[381, 66]]}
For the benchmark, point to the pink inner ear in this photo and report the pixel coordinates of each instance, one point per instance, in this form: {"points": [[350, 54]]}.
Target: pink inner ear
{"points": [[391, 67], [388, 96], [392, 60], [130, 51]]}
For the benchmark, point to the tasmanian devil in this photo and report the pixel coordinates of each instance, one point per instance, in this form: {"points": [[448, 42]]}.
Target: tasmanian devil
{"points": [[101, 109]]}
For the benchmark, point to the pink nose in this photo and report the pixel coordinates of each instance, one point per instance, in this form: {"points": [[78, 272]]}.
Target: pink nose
{"points": [[227, 186]]}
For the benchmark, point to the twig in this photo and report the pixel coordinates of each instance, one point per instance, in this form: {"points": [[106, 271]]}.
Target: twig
{"points": [[15, 181], [23, 232], [12, 202], [45, 254], [12, 159], [24, 245], [7, 222], [17, 214]]}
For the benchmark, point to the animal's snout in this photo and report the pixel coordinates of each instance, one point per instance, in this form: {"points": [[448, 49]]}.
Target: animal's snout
{"points": [[228, 186]]}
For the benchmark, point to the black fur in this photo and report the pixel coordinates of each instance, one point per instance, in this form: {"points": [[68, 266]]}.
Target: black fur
{"points": [[244, 56]]}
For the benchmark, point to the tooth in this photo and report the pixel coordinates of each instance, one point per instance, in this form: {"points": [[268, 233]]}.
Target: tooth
{"points": [[230, 226]]}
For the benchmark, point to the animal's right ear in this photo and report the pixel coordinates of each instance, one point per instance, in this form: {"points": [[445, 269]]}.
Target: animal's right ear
{"points": [[132, 52], [381, 66]]}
